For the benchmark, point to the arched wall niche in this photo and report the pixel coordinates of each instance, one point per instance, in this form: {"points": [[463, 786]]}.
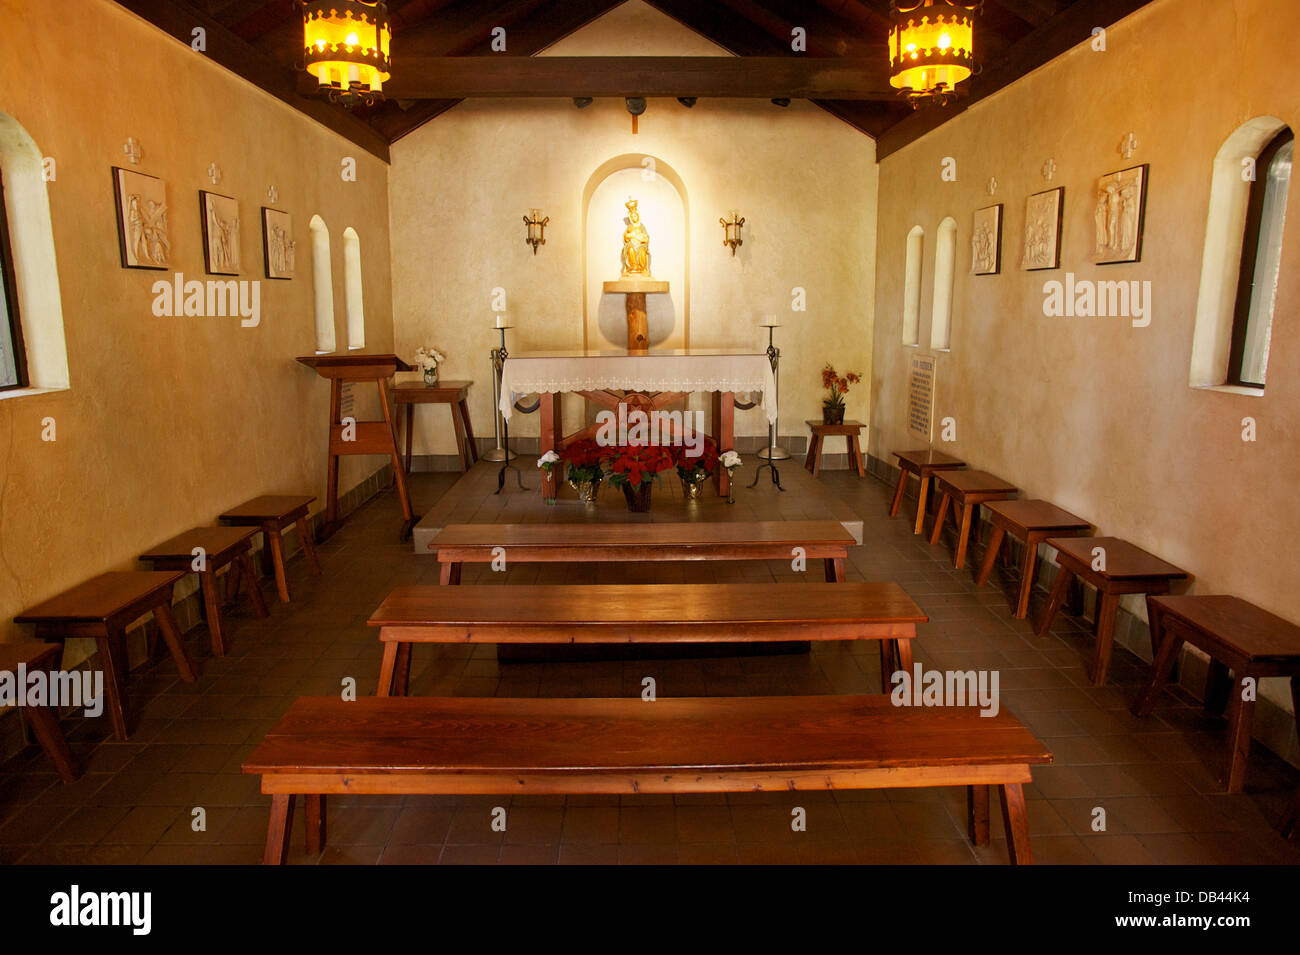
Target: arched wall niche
{"points": [[352, 292], [665, 210], [323, 285]]}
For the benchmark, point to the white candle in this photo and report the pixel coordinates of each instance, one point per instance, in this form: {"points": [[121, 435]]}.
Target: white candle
{"points": [[501, 321]]}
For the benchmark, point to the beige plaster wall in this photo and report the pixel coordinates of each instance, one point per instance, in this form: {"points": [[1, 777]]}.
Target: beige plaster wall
{"points": [[168, 421], [804, 181], [1092, 413]]}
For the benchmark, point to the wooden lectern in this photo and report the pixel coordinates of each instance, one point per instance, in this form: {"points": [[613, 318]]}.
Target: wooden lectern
{"points": [[360, 437]]}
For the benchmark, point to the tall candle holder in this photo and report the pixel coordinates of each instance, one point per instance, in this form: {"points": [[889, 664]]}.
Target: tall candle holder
{"points": [[499, 361], [772, 453], [501, 452]]}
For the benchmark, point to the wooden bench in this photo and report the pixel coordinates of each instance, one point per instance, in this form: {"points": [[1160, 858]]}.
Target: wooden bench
{"points": [[924, 464], [850, 430], [643, 613], [700, 540], [469, 746], [272, 513], [33, 656]]}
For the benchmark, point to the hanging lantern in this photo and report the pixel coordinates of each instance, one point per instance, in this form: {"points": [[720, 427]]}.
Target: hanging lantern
{"points": [[346, 44], [931, 48]]}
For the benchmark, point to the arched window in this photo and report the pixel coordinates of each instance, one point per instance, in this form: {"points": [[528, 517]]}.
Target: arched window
{"points": [[945, 266], [33, 355], [324, 285], [1242, 257], [912, 287], [352, 289]]}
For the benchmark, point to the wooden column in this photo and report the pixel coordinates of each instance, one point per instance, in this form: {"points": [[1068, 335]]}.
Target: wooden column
{"points": [[638, 327]]}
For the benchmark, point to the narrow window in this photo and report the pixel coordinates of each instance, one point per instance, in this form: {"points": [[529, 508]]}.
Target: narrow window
{"points": [[352, 289], [13, 357], [912, 287], [945, 266], [1261, 259], [324, 285]]}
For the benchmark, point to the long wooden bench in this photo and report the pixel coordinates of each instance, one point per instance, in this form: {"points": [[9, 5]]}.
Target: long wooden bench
{"points": [[643, 613], [492, 746], [458, 544]]}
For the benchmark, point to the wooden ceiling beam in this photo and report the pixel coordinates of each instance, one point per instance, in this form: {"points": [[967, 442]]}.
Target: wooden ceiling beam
{"points": [[178, 19], [1072, 26], [1033, 12], [767, 77]]}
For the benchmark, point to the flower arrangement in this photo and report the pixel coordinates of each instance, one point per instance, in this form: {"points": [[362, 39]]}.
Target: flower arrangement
{"points": [[699, 468], [633, 465], [583, 459], [428, 360], [547, 461], [837, 386]]}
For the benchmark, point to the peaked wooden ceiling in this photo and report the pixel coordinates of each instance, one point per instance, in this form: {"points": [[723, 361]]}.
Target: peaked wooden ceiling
{"points": [[262, 41]]}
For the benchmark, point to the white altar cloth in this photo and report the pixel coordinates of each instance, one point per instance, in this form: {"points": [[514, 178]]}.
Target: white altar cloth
{"points": [[678, 370]]}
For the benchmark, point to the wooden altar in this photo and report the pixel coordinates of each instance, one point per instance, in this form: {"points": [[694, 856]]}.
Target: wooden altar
{"points": [[641, 381], [360, 437]]}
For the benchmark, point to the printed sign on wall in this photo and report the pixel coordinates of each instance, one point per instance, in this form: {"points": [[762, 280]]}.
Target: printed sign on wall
{"points": [[920, 398]]}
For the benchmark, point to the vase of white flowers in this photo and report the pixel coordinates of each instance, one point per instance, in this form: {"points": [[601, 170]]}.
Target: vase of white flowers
{"points": [[427, 360], [730, 460]]}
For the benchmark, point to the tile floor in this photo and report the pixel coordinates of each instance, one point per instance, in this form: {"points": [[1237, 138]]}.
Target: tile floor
{"points": [[1154, 777]]}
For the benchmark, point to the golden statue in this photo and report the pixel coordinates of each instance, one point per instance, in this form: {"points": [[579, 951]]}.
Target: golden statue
{"points": [[636, 244]]}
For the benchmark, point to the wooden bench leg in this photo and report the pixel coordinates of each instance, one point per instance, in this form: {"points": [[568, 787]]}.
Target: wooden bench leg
{"points": [[162, 614], [279, 829], [277, 562], [1218, 687], [898, 492], [243, 565], [886, 665], [308, 546], [1107, 613], [1241, 713], [1016, 820], [1060, 587], [315, 824], [922, 496], [1161, 667], [470, 441], [386, 668], [44, 722], [835, 571], [977, 814], [1026, 576], [462, 449], [855, 449], [990, 556], [112, 657], [212, 608], [939, 518], [402, 670], [968, 514], [449, 572], [904, 645]]}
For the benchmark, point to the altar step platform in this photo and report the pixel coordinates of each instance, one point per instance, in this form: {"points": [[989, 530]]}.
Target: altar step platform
{"points": [[472, 500]]}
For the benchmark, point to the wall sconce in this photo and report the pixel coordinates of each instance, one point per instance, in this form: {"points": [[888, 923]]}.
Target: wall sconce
{"points": [[536, 228], [731, 232]]}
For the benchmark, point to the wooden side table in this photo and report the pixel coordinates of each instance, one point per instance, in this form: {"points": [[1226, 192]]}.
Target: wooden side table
{"points": [[966, 490], [35, 655], [271, 513], [1127, 570], [923, 464], [454, 393], [1032, 522], [101, 609], [221, 547], [1239, 637], [849, 429]]}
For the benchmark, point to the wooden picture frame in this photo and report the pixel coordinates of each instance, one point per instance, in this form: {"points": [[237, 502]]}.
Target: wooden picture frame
{"points": [[278, 245], [1119, 215], [1044, 216], [986, 241], [220, 217], [143, 239]]}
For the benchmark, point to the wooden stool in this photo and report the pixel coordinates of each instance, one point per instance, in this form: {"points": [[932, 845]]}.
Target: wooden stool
{"points": [[220, 546], [1032, 522], [967, 490], [1128, 570], [101, 609], [272, 513], [1239, 637], [410, 393], [44, 720], [850, 430], [923, 464]]}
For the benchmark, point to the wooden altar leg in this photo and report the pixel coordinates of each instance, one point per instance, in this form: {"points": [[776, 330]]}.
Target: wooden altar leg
{"points": [[551, 431], [724, 427], [332, 471], [398, 471], [638, 328]]}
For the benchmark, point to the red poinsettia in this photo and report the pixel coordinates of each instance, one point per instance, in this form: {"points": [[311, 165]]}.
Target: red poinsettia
{"points": [[696, 467], [635, 464], [584, 459]]}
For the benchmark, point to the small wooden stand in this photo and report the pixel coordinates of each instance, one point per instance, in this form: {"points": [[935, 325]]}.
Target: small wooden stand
{"points": [[369, 437], [638, 328]]}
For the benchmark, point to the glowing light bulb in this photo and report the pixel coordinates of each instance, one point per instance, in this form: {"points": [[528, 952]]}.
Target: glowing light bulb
{"points": [[911, 48], [945, 41], [353, 40]]}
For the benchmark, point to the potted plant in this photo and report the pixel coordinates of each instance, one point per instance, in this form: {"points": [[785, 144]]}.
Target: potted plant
{"points": [[633, 468], [694, 470], [837, 386], [428, 360], [582, 460]]}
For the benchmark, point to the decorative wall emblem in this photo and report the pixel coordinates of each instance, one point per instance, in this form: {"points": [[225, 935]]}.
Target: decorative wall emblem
{"points": [[1119, 214], [142, 233], [220, 216], [986, 241], [1043, 212], [278, 243]]}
